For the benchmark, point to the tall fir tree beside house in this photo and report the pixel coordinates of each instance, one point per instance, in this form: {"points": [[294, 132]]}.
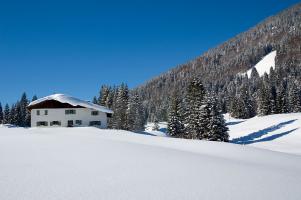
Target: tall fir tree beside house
{"points": [[104, 93], [34, 98], [194, 100], [94, 100], [24, 112], [175, 125]]}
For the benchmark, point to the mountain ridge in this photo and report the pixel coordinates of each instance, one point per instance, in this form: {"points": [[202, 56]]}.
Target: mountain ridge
{"points": [[219, 65]]}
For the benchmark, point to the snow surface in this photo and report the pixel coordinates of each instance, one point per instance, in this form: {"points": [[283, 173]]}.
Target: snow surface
{"points": [[281, 132], [90, 163], [264, 65], [161, 132], [72, 101]]}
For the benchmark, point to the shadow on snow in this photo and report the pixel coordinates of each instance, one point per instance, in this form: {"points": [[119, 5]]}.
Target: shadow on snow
{"points": [[256, 136]]}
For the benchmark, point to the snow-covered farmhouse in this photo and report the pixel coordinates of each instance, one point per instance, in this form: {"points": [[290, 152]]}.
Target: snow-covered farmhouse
{"points": [[66, 111]]}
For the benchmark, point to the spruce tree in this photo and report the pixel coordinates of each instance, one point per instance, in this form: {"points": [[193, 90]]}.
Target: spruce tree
{"points": [[95, 100], [175, 126], [120, 112], [104, 93], [194, 100], [217, 129], [282, 100], [294, 99], [264, 97], [24, 116], [135, 114], [6, 117], [34, 98], [1, 114]]}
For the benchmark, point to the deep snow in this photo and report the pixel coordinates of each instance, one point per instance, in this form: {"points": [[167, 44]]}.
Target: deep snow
{"points": [[89, 163]]}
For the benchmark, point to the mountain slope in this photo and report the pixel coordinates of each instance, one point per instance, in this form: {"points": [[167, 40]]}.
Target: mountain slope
{"points": [[219, 66], [89, 163]]}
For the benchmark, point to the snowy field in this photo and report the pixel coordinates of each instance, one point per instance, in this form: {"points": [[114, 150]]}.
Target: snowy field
{"points": [[88, 163]]}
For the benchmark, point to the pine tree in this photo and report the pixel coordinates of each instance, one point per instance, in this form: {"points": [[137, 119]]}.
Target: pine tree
{"points": [[217, 129], [34, 98], [175, 126], [120, 112], [282, 101], [24, 115], [135, 114], [95, 100], [6, 117], [264, 97], [1, 114], [243, 105], [104, 93], [194, 100], [294, 99]]}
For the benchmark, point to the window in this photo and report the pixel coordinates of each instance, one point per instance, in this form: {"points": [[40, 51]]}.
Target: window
{"points": [[70, 112], [70, 123], [78, 122], [42, 123], [55, 123], [38, 112], [95, 123], [45, 112], [94, 113]]}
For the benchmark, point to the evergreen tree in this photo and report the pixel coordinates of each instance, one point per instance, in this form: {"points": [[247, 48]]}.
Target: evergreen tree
{"points": [[264, 97], [1, 114], [194, 100], [282, 101], [294, 99], [24, 115], [120, 112], [95, 100], [104, 93], [175, 126], [34, 98], [217, 129], [136, 118], [6, 117]]}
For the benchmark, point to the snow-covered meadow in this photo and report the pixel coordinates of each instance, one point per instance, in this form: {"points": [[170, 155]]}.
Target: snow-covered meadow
{"points": [[89, 163]]}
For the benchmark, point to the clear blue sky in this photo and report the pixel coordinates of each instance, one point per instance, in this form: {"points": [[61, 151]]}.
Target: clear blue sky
{"points": [[75, 46]]}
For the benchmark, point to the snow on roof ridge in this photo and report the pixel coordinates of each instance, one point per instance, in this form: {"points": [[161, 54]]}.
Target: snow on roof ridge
{"points": [[63, 98]]}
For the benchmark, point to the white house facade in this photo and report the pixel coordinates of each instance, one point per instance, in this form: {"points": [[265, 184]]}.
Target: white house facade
{"points": [[60, 110]]}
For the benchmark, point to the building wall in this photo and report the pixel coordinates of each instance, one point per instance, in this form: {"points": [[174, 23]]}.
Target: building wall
{"points": [[58, 114]]}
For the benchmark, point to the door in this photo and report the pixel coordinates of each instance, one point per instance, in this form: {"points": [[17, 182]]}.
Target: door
{"points": [[70, 123]]}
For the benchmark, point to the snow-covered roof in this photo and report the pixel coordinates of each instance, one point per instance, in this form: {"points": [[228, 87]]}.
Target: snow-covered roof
{"points": [[72, 101]]}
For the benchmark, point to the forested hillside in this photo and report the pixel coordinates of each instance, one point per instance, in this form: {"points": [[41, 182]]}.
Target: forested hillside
{"points": [[219, 67]]}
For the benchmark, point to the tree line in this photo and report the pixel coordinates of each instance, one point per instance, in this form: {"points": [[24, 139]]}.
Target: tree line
{"points": [[197, 116], [16, 114], [129, 113]]}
